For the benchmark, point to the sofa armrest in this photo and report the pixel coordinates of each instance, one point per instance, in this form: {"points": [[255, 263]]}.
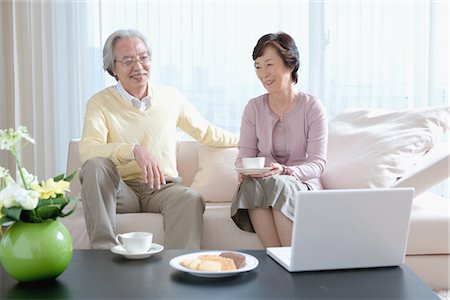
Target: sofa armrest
{"points": [[74, 163], [432, 169]]}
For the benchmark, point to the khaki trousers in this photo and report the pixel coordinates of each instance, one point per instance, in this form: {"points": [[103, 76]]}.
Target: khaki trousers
{"points": [[104, 194]]}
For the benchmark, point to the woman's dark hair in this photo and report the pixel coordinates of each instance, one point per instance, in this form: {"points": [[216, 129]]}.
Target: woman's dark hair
{"points": [[285, 46]]}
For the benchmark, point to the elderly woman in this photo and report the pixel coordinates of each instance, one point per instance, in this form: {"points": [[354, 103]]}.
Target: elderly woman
{"points": [[289, 129]]}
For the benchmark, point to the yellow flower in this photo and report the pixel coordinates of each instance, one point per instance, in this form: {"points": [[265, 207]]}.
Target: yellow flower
{"points": [[50, 188]]}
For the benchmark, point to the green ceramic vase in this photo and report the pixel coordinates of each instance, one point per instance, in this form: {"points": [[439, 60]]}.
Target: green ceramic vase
{"points": [[35, 251]]}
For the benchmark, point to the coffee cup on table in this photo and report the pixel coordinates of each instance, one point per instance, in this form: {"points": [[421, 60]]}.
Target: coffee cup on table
{"points": [[135, 242], [253, 162]]}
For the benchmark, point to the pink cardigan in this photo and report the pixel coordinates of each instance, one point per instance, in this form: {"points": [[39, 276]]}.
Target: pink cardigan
{"points": [[306, 126]]}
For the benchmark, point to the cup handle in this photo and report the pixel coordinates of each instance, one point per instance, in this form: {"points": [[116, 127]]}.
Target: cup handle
{"points": [[118, 240]]}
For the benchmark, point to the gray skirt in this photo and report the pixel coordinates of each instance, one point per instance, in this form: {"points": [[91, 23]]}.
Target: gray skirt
{"points": [[279, 192]]}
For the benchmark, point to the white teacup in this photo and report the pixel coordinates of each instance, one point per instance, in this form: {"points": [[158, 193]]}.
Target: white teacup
{"points": [[135, 242], [253, 162]]}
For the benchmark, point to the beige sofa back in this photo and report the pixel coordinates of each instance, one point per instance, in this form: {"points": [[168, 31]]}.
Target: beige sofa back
{"points": [[431, 169]]}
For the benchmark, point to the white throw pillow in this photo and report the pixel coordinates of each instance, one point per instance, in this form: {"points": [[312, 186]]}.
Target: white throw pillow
{"points": [[216, 178], [370, 148]]}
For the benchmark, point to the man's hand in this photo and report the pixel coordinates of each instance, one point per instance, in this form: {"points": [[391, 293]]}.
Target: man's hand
{"points": [[151, 172]]}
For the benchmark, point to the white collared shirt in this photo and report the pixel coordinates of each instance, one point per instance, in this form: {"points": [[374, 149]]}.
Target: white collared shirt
{"points": [[142, 105]]}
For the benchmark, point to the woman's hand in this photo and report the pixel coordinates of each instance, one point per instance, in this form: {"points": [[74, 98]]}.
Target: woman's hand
{"points": [[276, 169], [242, 177], [151, 172]]}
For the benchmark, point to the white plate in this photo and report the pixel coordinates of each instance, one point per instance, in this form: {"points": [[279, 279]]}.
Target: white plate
{"points": [[251, 263], [155, 248], [253, 171]]}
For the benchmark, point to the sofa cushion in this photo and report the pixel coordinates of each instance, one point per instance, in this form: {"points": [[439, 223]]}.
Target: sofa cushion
{"points": [[216, 178], [187, 160], [374, 148], [429, 227], [220, 231]]}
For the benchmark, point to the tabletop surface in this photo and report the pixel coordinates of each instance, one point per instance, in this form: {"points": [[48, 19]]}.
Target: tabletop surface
{"points": [[100, 274]]}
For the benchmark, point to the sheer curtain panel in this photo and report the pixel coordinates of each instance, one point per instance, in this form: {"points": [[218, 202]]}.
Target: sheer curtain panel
{"points": [[40, 79]]}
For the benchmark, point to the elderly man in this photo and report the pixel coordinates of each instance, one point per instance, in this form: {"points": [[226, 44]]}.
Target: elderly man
{"points": [[128, 149]]}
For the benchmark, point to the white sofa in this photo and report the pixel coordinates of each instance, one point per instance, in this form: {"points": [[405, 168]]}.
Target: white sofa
{"points": [[211, 172]]}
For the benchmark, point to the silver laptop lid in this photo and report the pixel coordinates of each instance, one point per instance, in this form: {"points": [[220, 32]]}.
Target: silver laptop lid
{"points": [[351, 228]]}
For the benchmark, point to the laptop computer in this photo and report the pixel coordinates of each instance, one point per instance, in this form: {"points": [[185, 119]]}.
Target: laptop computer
{"points": [[347, 229]]}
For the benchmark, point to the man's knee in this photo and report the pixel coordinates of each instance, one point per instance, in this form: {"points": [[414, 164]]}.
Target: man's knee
{"points": [[94, 167], [193, 200]]}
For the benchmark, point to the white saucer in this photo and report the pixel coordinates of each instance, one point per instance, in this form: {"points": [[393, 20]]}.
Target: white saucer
{"points": [[155, 248], [253, 171]]}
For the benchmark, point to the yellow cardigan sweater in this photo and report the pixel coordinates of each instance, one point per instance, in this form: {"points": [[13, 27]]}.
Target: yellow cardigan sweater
{"points": [[112, 126]]}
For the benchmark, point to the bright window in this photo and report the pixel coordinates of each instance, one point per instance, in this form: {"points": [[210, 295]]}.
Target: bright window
{"points": [[365, 54]]}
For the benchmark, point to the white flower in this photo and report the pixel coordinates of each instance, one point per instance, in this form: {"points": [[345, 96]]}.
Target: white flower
{"points": [[5, 178], [23, 133], [9, 139], [28, 177], [4, 172], [5, 144], [16, 196]]}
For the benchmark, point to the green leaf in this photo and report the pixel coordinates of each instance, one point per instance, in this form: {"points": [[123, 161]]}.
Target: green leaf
{"points": [[48, 212], [5, 219], [72, 200], [59, 201], [12, 212], [71, 176], [58, 177], [51, 209], [30, 216]]}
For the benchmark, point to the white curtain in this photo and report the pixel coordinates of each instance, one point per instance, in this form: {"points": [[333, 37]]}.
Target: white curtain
{"points": [[42, 84], [28, 83], [354, 53]]}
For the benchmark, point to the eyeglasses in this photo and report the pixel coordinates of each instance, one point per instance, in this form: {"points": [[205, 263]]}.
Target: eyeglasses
{"points": [[129, 61]]}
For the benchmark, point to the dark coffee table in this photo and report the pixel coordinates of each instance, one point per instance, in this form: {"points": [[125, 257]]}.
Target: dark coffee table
{"points": [[99, 274]]}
